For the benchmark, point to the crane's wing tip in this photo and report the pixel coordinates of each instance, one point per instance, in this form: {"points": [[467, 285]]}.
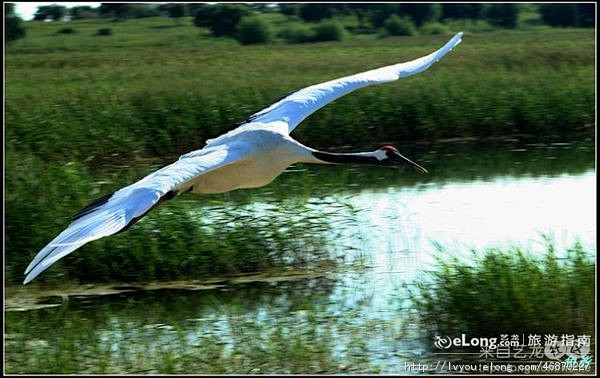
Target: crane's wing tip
{"points": [[31, 273], [457, 38]]}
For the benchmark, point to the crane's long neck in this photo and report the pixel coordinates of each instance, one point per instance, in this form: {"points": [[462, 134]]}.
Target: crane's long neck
{"points": [[385, 156], [348, 158]]}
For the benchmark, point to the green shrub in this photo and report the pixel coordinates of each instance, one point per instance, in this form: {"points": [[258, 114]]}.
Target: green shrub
{"points": [[396, 25], [104, 32], [66, 30], [433, 28], [296, 33], [331, 30], [253, 30]]}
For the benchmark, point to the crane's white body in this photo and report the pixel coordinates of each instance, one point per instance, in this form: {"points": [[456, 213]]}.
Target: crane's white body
{"points": [[249, 156], [262, 153]]}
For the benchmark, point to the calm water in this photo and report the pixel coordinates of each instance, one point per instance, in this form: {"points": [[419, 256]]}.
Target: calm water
{"points": [[354, 319]]}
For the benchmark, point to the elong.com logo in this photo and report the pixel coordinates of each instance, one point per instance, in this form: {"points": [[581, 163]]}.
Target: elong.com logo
{"points": [[445, 342]]}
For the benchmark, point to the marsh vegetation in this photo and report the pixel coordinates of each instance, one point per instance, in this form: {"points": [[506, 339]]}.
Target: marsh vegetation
{"points": [[505, 126]]}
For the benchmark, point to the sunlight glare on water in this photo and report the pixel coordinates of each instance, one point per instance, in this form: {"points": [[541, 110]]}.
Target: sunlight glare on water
{"points": [[504, 212]]}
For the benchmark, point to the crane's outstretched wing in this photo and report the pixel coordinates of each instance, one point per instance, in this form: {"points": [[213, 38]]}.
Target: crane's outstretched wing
{"points": [[295, 107], [119, 210]]}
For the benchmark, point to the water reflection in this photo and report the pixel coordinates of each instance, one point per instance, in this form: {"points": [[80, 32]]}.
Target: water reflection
{"points": [[287, 327], [480, 214]]}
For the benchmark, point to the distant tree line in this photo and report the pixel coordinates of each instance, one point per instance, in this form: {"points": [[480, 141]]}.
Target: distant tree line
{"points": [[394, 18], [502, 14], [499, 14], [240, 20]]}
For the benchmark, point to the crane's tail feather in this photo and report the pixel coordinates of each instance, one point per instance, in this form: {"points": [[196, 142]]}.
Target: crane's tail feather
{"points": [[106, 216]]}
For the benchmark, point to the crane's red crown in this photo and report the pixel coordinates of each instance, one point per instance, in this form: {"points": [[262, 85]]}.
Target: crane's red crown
{"points": [[389, 147]]}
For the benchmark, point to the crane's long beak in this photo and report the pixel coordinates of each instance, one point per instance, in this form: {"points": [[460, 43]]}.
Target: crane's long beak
{"points": [[404, 159]]}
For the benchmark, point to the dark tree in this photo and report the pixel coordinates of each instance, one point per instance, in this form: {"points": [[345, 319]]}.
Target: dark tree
{"points": [[202, 13], [117, 10], [39, 16], [361, 11], [380, 12], [316, 12], [417, 12], [143, 10], [289, 9], [471, 11], [567, 14], [586, 15], [13, 24], [53, 12], [175, 11], [83, 12], [56, 12], [420, 13], [121, 11], [221, 19], [558, 14], [194, 7], [504, 15]]}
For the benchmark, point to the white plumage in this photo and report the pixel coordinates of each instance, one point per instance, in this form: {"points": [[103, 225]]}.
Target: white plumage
{"points": [[249, 156]]}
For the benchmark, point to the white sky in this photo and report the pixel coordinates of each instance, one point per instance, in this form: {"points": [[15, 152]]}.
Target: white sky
{"points": [[26, 10]]}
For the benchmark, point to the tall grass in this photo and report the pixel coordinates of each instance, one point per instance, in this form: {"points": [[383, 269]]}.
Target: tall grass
{"points": [[59, 104], [510, 292], [178, 240]]}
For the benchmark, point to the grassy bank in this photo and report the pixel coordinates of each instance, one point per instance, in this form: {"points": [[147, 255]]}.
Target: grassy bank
{"points": [[152, 100], [87, 114]]}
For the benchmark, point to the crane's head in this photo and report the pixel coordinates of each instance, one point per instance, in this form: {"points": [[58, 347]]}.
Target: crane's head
{"points": [[389, 155]]}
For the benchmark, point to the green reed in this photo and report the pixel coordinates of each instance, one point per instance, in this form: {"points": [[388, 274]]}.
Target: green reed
{"points": [[510, 292]]}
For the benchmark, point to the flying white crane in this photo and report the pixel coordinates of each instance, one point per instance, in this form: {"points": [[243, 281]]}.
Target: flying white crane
{"points": [[250, 156]]}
